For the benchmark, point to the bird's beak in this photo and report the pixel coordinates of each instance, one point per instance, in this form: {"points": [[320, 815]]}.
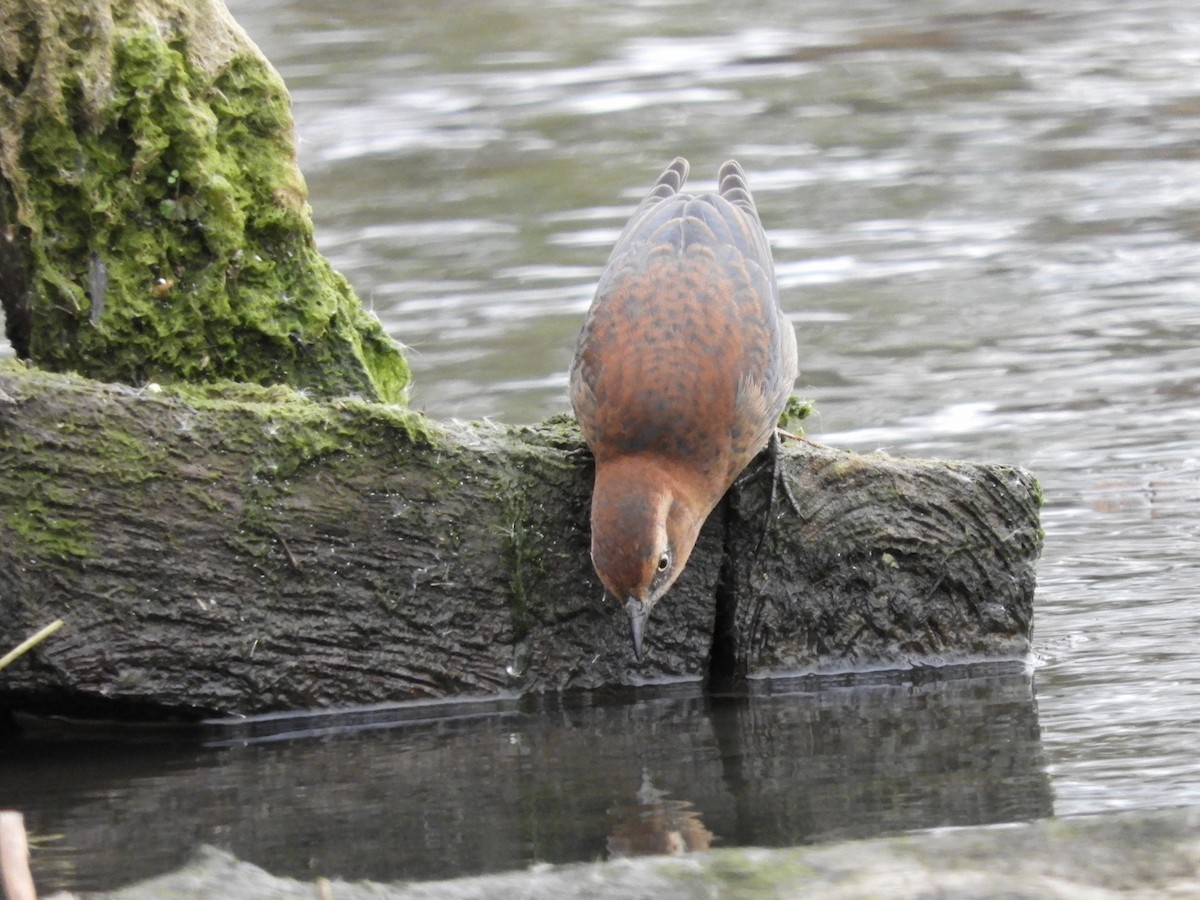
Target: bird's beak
{"points": [[639, 612]]}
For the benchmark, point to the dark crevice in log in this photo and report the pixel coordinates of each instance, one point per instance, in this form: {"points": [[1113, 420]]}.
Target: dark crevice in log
{"points": [[14, 276], [73, 706], [723, 673]]}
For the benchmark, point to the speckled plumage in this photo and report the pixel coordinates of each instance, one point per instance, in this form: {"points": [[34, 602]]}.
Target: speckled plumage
{"points": [[682, 369]]}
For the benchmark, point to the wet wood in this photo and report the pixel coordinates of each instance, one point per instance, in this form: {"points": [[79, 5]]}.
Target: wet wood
{"points": [[269, 552]]}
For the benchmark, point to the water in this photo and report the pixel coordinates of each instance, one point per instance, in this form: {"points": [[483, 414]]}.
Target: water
{"points": [[436, 791], [985, 225]]}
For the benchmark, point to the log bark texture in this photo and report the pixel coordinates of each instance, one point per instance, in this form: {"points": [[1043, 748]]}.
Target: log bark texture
{"points": [[259, 550]]}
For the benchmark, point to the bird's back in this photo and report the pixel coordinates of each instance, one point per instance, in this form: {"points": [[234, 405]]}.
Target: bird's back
{"points": [[685, 353]]}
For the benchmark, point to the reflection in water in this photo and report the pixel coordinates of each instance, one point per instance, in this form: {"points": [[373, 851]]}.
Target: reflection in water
{"points": [[806, 760], [656, 825], [470, 788]]}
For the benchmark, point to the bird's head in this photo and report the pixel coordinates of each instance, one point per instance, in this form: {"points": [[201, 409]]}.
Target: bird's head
{"points": [[643, 531]]}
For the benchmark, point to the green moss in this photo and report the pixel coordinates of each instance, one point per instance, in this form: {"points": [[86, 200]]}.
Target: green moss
{"points": [[556, 442], [516, 551], [794, 413], [742, 875], [560, 429], [282, 430], [413, 427], [202, 496], [559, 433], [509, 494], [166, 222], [285, 431], [289, 417], [50, 535], [132, 460], [32, 517], [1039, 495], [847, 465]]}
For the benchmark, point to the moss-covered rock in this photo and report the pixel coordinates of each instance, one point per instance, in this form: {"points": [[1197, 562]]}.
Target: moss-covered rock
{"points": [[153, 220]]}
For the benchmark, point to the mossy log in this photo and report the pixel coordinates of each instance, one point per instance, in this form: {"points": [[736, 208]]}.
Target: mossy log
{"points": [[258, 550], [154, 224]]}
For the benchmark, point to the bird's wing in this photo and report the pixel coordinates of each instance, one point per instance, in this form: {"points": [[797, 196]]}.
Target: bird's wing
{"points": [[724, 228]]}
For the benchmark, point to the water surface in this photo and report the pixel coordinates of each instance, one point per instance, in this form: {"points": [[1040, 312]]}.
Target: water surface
{"points": [[438, 790]]}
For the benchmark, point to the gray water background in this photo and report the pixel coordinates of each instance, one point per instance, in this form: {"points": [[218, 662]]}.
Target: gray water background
{"points": [[986, 224]]}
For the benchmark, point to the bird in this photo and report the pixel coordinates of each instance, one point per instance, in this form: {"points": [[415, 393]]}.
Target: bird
{"points": [[684, 364]]}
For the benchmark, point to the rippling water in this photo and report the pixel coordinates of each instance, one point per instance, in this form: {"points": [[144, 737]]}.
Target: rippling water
{"points": [[986, 228]]}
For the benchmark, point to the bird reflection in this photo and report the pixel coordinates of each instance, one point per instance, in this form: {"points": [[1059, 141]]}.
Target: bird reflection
{"points": [[655, 825]]}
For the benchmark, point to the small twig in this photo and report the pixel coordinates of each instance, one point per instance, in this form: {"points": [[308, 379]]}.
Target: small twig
{"points": [[29, 643], [14, 858], [291, 557]]}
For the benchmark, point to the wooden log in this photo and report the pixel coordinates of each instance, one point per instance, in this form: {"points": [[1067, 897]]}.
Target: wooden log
{"points": [[929, 561], [253, 550]]}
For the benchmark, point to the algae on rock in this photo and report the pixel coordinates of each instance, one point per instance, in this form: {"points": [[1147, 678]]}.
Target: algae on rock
{"points": [[153, 220]]}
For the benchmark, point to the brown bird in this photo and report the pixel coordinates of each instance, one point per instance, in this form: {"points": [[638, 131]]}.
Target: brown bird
{"points": [[683, 367]]}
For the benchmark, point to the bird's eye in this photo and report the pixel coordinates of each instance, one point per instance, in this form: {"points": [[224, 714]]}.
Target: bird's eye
{"points": [[664, 562]]}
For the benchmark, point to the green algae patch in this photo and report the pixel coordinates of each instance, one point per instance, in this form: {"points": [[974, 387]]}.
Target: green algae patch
{"points": [[749, 874], [153, 212], [794, 414], [36, 518], [312, 426]]}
